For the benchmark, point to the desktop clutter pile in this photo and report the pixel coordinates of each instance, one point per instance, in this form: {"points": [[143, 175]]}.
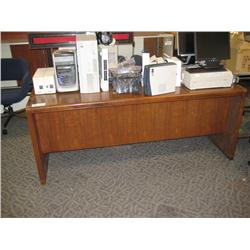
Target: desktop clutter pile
{"points": [[93, 65]]}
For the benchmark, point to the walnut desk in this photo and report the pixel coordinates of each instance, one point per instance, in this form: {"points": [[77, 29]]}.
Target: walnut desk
{"points": [[72, 121]]}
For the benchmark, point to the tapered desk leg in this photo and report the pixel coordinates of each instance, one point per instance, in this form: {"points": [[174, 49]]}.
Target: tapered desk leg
{"points": [[42, 166], [41, 158], [227, 140]]}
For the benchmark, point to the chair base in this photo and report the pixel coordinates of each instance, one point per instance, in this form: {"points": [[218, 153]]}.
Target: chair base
{"points": [[5, 131], [10, 115]]}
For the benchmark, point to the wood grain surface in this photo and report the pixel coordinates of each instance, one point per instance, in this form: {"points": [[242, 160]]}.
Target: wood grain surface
{"points": [[71, 121]]}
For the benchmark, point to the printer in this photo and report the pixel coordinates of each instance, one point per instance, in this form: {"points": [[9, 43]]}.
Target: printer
{"points": [[202, 79], [159, 78]]}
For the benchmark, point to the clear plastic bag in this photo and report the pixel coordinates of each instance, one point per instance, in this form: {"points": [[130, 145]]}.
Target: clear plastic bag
{"points": [[126, 78]]}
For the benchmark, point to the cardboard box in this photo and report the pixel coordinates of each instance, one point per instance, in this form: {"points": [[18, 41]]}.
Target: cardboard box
{"points": [[240, 55]]}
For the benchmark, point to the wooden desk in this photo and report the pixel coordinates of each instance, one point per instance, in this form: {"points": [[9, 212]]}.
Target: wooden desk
{"points": [[71, 121]]}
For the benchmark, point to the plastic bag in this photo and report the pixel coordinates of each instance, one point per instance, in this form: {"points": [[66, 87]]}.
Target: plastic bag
{"points": [[126, 78]]}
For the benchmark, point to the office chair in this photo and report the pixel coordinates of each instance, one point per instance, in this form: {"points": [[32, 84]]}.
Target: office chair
{"points": [[121, 59], [138, 59], [14, 69]]}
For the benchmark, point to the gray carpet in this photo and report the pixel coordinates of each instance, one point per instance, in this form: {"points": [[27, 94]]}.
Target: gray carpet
{"points": [[177, 178]]}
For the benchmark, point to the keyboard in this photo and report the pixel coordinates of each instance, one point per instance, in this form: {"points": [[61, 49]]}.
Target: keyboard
{"points": [[205, 70]]}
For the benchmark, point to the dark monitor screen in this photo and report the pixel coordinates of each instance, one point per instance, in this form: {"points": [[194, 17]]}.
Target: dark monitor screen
{"points": [[185, 43], [212, 45]]}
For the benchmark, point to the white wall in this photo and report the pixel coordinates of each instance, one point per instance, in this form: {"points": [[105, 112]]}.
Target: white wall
{"points": [[139, 45], [125, 50]]}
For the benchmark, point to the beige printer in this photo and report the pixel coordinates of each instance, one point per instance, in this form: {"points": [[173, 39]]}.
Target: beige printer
{"points": [[202, 79]]}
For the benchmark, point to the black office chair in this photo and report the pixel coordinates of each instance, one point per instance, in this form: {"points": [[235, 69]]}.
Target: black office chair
{"points": [[138, 59], [14, 69], [121, 59]]}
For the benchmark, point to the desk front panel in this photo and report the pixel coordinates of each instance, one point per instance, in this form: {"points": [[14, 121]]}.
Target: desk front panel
{"points": [[131, 123]]}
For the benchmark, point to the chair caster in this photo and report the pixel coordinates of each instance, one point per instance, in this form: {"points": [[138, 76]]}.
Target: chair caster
{"points": [[5, 131]]}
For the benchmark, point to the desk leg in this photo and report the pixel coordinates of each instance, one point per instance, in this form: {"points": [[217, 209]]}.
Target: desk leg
{"points": [[227, 140], [41, 158]]}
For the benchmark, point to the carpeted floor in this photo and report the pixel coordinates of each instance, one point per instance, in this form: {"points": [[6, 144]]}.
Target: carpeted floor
{"points": [[177, 178]]}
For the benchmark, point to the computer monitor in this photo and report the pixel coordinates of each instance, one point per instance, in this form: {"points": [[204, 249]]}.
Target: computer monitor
{"points": [[185, 47], [211, 47]]}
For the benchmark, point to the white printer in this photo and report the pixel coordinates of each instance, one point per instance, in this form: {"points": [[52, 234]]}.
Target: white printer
{"points": [[178, 62], [198, 78], [159, 78]]}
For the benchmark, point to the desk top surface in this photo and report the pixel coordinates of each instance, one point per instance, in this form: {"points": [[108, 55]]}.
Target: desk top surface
{"points": [[77, 100]]}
